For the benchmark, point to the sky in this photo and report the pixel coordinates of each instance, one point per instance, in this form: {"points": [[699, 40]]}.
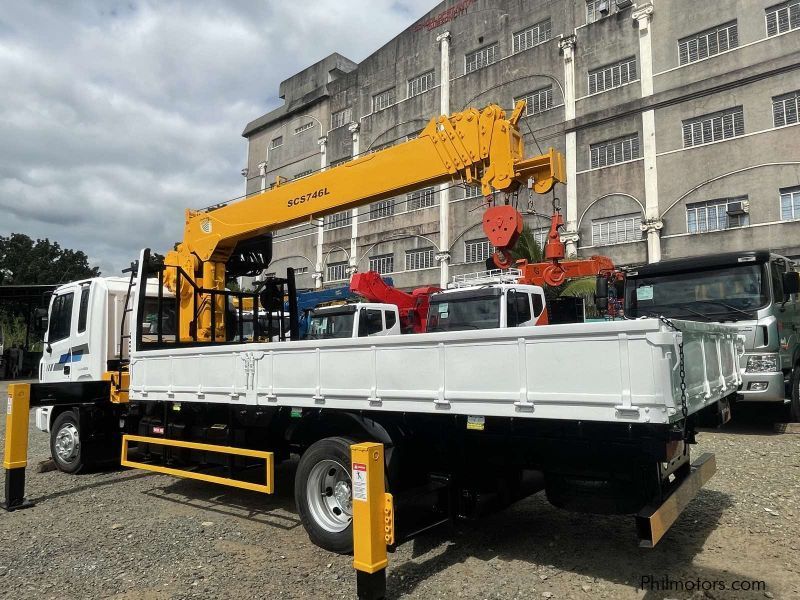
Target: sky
{"points": [[116, 116]]}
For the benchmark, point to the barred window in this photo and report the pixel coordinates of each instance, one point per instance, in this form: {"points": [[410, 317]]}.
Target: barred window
{"points": [[476, 251], [480, 58], [540, 235], [303, 127], [341, 118], [790, 203], [708, 43], [785, 109], [337, 271], [301, 270], [783, 17], [532, 36], [419, 259], [276, 142], [613, 152], [420, 199], [473, 191], [337, 220], [715, 215], [714, 127], [382, 264], [612, 76], [597, 9], [383, 100], [420, 84], [382, 208], [302, 174], [537, 101], [617, 230]]}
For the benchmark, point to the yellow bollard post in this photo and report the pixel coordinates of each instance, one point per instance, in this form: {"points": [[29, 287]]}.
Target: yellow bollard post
{"points": [[15, 458], [373, 520]]}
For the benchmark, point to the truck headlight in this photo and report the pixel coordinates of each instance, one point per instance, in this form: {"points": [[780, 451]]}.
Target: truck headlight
{"points": [[762, 363]]}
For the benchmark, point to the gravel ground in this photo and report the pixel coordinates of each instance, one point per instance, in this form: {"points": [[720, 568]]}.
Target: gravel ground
{"points": [[127, 534]]}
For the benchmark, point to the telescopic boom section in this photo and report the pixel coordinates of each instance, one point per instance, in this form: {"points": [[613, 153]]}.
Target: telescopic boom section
{"points": [[483, 147]]}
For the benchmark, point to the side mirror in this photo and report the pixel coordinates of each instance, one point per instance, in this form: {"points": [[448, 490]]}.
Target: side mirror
{"points": [[601, 293], [791, 283]]}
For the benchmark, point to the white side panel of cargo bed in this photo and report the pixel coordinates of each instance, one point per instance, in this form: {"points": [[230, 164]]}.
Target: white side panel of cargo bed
{"points": [[620, 371]]}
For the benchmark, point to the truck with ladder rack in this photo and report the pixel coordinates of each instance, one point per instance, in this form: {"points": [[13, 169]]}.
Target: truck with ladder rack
{"points": [[600, 416]]}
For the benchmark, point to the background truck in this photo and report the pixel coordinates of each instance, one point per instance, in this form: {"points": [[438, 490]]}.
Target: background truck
{"points": [[755, 292]]}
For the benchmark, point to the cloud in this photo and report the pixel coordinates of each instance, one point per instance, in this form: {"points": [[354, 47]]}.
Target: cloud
{"points": [[115, 116]]}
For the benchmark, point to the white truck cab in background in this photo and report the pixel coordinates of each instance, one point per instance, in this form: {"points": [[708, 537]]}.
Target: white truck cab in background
{"points": [[358, 319]]}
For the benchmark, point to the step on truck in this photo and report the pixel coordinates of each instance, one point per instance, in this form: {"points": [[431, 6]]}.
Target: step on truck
{"points": [[755, 292], [601, 416]]}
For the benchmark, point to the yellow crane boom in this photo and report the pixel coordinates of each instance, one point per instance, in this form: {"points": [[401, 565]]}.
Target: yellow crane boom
{"points": [[475, 146]]}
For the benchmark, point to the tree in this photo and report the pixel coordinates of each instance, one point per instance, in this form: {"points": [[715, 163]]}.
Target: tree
{"points": [[24, 261], [527, 247]]}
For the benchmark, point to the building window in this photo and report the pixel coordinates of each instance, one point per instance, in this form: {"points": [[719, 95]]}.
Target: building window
{"points": [[419, 259], [276, 142], [713, 128], [419, 199], [420, 84], [612, 76], [783, 17], [790, 203], [337, 220], [614, 152], [382, 264], [337, 271], [708, 43], [533, 36], [302, 174], [383, 208], [597, 9], [476, 251], [785, 109], [480, 58], [341, 118], [616, 230], [537, 101], [716, 215], [301, 270], [473, 191], [383, 100], [540, 235], [303, 127]]}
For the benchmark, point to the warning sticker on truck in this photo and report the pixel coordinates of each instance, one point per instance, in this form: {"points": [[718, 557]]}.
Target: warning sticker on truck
{"points": [[10, 405], [476, 423], [360, 482]]}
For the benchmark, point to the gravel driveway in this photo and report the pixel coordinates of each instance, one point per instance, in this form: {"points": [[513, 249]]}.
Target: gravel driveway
{"points": [[127, 534]]}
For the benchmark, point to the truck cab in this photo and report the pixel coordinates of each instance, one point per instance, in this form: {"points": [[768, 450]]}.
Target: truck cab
{"points": [[82, 333], [757, 292], [359, 319], [486, 300]]}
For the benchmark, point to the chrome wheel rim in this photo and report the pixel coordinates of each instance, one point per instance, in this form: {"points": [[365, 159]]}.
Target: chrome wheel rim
{"points": [[329, 495], [68, 443]]}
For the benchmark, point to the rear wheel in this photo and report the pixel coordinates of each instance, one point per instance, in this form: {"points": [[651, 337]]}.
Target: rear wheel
{"points": [[65, 443], [323, 493]]}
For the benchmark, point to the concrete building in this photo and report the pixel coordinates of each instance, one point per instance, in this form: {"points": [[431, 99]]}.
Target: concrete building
{"points": [[678, 120]]}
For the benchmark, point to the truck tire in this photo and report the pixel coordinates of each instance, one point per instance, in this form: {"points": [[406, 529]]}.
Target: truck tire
{"points": [[323, 494], [65, 443], [794, 406]]}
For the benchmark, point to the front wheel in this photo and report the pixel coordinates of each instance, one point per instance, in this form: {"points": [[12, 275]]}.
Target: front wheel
{"points": [[794, 407], [65, 443], [323, 493]]}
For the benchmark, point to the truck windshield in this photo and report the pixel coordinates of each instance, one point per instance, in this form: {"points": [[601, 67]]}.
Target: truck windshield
{"points": [[464, 313], [726, 293], [331, 325]]}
